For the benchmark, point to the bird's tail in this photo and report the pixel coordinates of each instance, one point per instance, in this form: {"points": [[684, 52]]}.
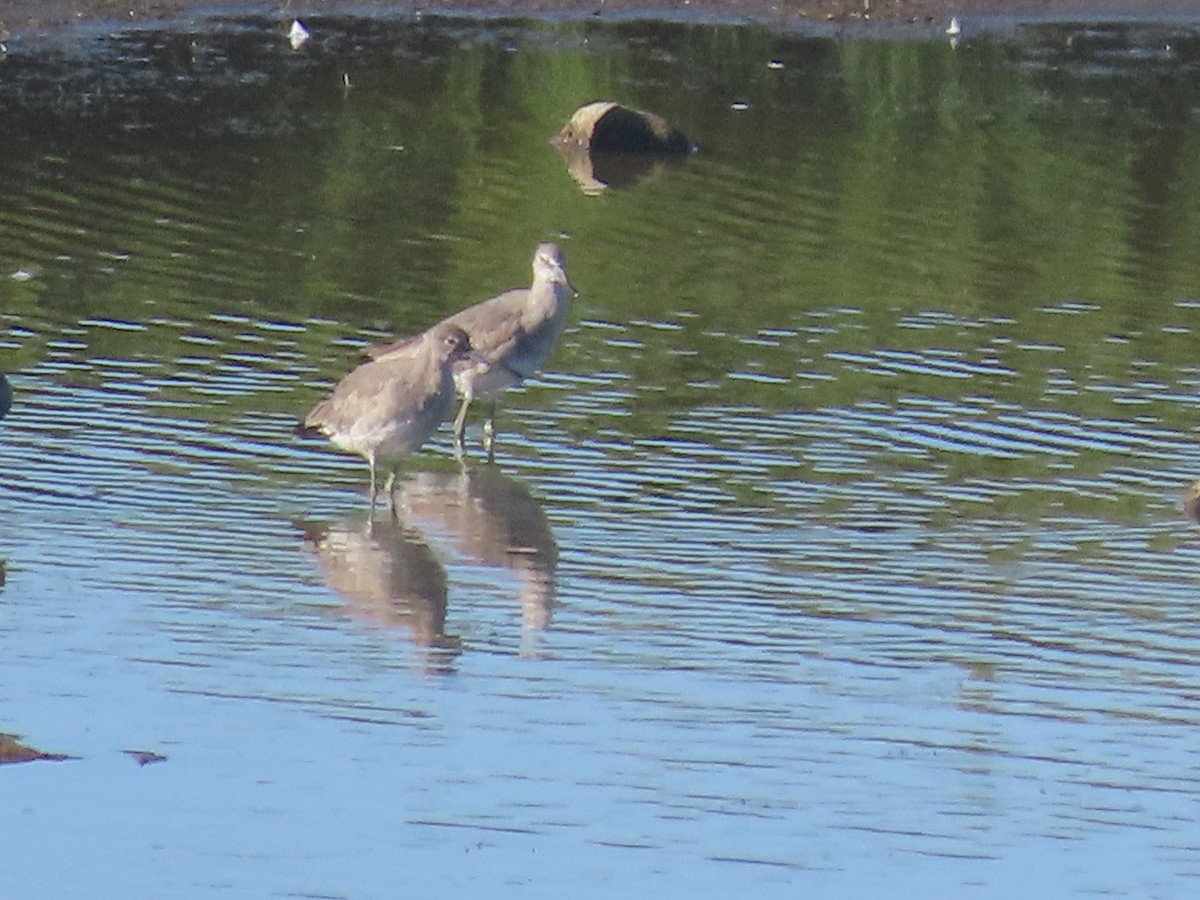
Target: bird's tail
{"points": [[317, 423], [306, 430]]}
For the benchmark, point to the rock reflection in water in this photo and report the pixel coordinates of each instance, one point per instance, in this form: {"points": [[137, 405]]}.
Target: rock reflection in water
{"points": [[495, 521], [384, 572], [597, 172]]}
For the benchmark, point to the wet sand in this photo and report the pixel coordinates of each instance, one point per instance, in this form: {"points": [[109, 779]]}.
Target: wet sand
{"points": [[24, 16]]}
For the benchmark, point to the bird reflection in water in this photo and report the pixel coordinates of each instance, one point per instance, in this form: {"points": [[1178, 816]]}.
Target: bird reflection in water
{"points": [[5, 405], [494, 521], [385, 573], [383, 569]]}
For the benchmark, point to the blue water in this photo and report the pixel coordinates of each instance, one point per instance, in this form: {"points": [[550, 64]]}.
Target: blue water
{"points": [[837, 552]]}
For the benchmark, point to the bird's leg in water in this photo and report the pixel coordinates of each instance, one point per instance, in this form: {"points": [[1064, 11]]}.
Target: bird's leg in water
{"points": [[371, 463], [460, 424], [489, 433]]}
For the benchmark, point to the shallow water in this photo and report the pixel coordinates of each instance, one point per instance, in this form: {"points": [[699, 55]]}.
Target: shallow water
{"points": [[839, 542]]}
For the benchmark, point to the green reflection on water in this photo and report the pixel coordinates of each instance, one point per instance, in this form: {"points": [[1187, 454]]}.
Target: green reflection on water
{"points": [[1024, 208]]}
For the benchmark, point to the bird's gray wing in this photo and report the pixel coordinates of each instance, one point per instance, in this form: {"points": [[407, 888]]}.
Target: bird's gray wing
{"points": [[496, 325], [378, 351], [377, 391]]}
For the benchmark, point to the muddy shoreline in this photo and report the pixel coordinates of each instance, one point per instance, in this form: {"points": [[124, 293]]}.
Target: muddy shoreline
{"points": [[30, 16]]}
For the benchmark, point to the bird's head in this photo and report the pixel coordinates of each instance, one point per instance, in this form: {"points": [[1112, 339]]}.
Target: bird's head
{"points": [[549, 266]]}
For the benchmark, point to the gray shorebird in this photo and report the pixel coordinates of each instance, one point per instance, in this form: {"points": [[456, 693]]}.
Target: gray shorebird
{"points": [[511, 334], [388, 407], [5, 396]]}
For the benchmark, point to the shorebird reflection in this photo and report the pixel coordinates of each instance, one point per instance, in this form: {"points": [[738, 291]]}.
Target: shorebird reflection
{"points": [[384, 572], [5, 396], [492, 520]]}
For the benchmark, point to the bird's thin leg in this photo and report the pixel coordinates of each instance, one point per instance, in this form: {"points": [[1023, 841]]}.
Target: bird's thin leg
{"points": [[371, 463], [393, 483], [489, 433], [460, 421]]}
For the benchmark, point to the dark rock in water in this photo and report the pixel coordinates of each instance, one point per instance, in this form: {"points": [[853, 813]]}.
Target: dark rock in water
{"points": [[145, 757], [13, 751], [608, 127], [606, 145]]}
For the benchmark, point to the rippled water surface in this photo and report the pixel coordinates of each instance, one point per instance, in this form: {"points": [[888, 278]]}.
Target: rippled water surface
{"points": [[837, 552]]}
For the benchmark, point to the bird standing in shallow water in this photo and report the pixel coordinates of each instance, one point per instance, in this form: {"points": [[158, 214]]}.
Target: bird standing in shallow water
{"points": [[511, 334], [5, 396], [387, 408]]}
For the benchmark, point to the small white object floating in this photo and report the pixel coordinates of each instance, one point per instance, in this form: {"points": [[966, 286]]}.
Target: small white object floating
{"points": [[955, 29], [298, 35]]}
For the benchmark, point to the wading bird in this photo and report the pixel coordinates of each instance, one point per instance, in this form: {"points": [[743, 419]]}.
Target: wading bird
{"points": [[512, 335], [388, 407]]}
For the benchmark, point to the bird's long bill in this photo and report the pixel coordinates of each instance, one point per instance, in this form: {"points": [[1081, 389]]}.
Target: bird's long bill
{"points": [[473, 358], [560, 274]]}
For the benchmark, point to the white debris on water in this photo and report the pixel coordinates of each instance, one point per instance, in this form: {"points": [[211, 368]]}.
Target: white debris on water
{"points": [[298, 35]]}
